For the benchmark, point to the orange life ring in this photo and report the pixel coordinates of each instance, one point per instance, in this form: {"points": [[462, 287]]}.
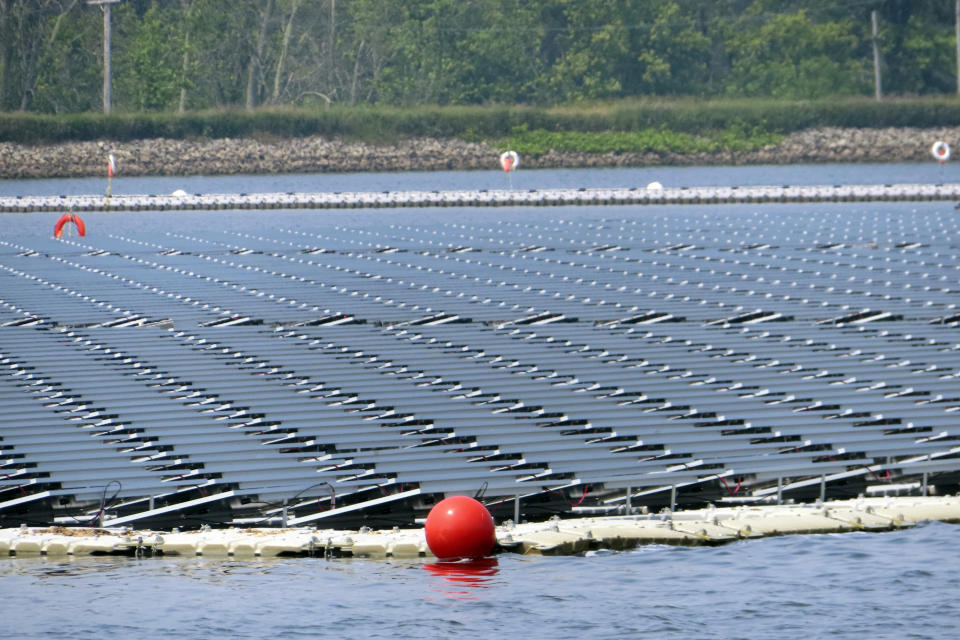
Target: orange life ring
{"points": [[64, 219]]}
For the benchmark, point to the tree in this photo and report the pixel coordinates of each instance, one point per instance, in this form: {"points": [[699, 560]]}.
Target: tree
{"points": [[195, 54], [596, 35], [224, 67], [185, 68], [790, 56], [303, 52], [5, 37], [288, 20], [69, 70], [631, 48], [150, 61], [672, 53], [918, 43], [28, 28], [420, 51], [499, 59], [255, 64]]}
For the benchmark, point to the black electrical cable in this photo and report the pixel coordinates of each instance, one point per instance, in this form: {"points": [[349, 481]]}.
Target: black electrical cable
{"points": [[104, 503]]}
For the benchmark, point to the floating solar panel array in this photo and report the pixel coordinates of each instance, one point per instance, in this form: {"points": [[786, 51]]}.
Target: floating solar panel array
{"points": [[303, 368]]}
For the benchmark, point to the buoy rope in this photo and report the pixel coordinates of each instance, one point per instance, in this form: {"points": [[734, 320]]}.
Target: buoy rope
{"points": [[583, 495], [736, 489], [885, 478]]}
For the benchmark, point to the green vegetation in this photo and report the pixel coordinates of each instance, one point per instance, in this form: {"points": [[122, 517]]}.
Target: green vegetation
{"points": [[539, 142], [682, 126], [615, 76], [212, 55]]}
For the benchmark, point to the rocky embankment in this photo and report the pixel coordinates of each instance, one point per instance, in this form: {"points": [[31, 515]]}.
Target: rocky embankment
{"points": [[161, 157]]}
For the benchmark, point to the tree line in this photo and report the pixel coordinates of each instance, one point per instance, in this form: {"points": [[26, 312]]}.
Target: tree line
{"points": [[184, 55]]}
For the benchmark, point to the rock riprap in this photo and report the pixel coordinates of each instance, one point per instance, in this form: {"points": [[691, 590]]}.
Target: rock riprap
{"points": [[168, 157]]}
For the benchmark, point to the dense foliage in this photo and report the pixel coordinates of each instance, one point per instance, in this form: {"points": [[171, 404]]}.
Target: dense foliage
{"points": [[195, 55], [623, 125]]}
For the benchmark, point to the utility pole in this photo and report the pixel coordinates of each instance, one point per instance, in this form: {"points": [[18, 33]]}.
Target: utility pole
{"points": [[957, 25], [878, 88], [105, 6]]}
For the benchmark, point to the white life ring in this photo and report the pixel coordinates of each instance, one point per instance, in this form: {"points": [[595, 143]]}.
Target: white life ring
{"points": [[940, 151], [509, 160]]}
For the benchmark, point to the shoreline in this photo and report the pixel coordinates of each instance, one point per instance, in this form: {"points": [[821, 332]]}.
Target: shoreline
{"points": [[168, 157]]}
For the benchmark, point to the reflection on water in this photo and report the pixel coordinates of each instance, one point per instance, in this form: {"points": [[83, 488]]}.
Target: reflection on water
{"points": [[69, 568], [460, 579], [209, 570]]}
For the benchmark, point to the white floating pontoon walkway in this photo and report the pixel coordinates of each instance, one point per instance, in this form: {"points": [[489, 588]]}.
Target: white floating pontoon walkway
{"points": [[483, 198], [709, 526]]}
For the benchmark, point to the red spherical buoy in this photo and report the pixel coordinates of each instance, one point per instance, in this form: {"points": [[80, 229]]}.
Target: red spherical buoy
{"points": [[460, 527]]}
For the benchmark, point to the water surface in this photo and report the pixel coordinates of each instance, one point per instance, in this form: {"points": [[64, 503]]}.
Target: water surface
{"points": [[843, 586], [795, 175]]}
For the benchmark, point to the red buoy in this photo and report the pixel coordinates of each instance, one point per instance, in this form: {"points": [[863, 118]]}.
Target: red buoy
{"points": [[460, 527]]}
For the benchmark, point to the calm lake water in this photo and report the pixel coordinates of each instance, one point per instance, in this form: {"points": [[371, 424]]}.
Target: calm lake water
{"points": [[891, 585], [494, 179], [858, 585]]}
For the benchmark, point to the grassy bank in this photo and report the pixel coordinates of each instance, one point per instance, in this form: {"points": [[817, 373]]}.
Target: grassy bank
{"points": [[679, 126], [661, 140]]}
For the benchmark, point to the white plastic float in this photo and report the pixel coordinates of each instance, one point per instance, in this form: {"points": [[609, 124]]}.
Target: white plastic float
{"points": [[484, 198], [709, 526]]}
